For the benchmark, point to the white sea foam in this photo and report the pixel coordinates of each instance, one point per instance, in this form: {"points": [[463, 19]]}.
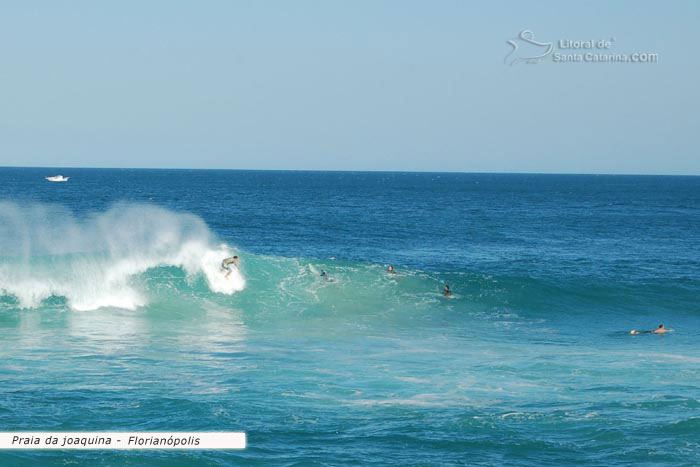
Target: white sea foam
{"points": [[93, 262]]}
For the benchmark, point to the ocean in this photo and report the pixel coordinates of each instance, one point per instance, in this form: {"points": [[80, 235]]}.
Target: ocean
{"points": [[115, 316]]}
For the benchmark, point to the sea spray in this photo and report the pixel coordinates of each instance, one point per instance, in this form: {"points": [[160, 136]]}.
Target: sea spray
{"points": [[93, 261]]}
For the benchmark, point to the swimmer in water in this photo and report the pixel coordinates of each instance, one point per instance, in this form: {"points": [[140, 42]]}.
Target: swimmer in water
{"points": [[446, 291], [226, 264], [391, 270], [326, 276], [660, 330]]}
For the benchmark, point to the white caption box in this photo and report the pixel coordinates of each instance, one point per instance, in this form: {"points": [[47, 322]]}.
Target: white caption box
{"points": [[121, 440]]}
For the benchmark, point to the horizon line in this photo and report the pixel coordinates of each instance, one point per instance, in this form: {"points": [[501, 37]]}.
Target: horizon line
{"points": [[355, 171]]}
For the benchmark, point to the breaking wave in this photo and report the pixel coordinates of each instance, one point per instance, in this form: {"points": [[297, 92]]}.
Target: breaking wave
{"points": [[94, 261]]}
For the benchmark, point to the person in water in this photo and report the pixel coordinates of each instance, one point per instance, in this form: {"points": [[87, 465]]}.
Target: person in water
{"points": [[660, 330], [446, 291], [227, 262], [326, 276], [391, 269]]}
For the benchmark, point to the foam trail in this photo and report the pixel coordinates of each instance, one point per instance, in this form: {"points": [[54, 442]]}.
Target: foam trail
{"points": [[94, 262]]}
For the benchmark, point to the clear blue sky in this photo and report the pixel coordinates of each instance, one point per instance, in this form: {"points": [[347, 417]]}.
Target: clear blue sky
{"points": [[356, 85]]}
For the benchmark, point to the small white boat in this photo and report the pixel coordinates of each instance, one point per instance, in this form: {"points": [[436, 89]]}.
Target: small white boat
{"points": [[57, 178]]}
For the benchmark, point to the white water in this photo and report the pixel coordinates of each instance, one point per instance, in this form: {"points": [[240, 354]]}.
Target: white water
{"points": [[93, 262]]}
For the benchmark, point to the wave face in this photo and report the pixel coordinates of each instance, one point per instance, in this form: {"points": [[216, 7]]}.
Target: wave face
{"points": [[93, 262]]}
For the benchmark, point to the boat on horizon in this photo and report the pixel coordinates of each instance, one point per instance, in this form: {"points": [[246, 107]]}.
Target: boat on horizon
{"points": [[57, 178]]}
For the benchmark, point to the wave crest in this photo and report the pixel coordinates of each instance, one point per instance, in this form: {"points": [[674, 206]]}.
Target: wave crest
{"points": [[93, 261]]}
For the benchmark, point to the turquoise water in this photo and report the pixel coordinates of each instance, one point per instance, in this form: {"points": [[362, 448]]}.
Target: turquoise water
{"points": [[114, 316]]}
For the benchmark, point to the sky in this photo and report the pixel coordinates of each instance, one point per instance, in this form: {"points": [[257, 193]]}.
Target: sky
{"points": [[349, 85]]}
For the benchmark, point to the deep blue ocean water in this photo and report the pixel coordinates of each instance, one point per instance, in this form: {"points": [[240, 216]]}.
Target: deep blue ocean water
{"points": [[114, 315]]}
